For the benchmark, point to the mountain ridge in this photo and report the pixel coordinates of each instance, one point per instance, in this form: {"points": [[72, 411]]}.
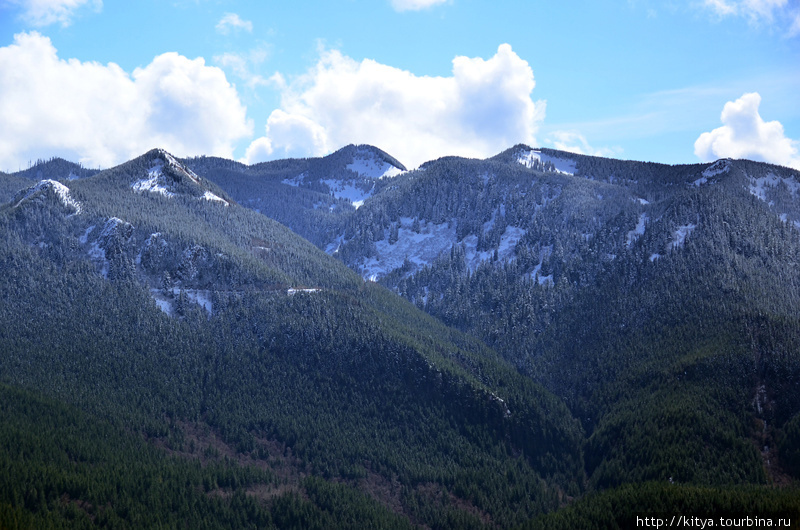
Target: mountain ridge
{"points": [[567, 326]]}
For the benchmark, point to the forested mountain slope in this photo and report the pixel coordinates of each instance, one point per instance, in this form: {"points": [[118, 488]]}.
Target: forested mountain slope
{"points": [[660, 302], [598, 324], [151, 305]]}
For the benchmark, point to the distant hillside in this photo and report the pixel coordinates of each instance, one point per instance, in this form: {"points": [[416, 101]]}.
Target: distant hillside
{"points": [[55, 168]]}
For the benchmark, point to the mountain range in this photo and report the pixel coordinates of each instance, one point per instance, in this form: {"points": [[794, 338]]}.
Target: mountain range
{"points": [[538, 339]]}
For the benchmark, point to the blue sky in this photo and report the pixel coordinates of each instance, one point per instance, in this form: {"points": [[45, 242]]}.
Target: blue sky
{"points": [[675, 81]]}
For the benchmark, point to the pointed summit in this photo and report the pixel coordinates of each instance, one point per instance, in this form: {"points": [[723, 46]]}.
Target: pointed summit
{"points": [[48, 189]]}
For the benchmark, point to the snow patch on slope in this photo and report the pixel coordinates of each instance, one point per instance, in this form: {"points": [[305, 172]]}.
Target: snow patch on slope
{"points": [[85, 237], [212, 197], [154, 183], [505, 250], [423, 247], [295, 181], [98, 255], [344, 190], [366, 164], [535, 158], [637, 232], [680, 235], [759, 186], [166, 301], [419, 248]]}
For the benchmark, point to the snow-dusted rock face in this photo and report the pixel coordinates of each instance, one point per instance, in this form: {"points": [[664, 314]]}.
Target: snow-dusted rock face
{"points": [[50, 187], [155, 181], [109, 248]]}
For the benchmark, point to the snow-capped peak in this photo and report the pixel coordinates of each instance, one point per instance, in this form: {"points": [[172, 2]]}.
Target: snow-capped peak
{"points": [[60, 191], [165, 185]]}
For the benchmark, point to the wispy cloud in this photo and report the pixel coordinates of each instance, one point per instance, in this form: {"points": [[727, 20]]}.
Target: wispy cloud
{"points": [[575, 142], [232, 22], [245, 65], [782, 14], [46, 12], [682, 111], [415, 5]]}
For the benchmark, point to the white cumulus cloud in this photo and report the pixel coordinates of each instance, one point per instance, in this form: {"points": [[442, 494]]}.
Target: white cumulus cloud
{"points": [[414, 5], [46, 12], [485, 106], [101, 115], [232, 21], [744, 134]]}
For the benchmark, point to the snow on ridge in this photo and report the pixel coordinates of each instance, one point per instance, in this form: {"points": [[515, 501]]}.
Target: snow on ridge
{"points": [[717, 168], [60, 190], [530, 158], [155, 182], [173, 162]]}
